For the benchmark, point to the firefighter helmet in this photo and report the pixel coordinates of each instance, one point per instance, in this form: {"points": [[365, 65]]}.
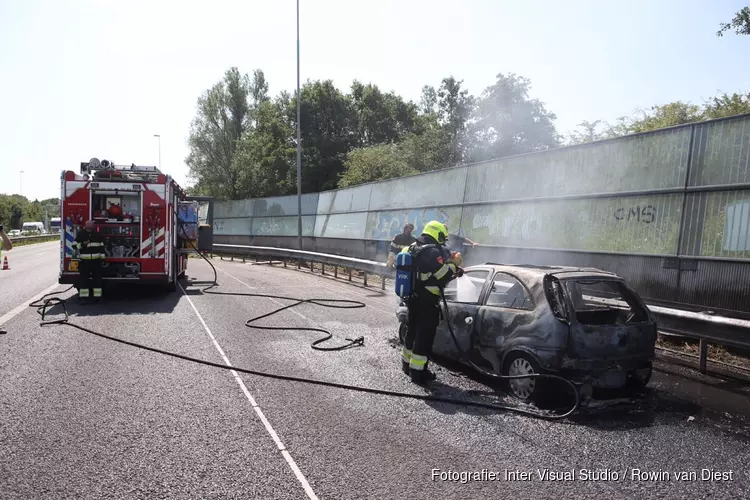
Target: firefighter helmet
{"points": [[436, 230]]}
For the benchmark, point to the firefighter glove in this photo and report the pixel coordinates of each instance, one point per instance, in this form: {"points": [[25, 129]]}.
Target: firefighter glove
{"points": [[457, 258], [459, 272]]}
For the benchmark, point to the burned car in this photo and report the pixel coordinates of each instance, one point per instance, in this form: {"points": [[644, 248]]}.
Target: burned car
{"points": [[586, 325]]}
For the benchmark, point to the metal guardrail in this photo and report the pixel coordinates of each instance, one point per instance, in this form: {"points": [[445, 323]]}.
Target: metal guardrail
{"points": [[33, 238], [707, 328]]}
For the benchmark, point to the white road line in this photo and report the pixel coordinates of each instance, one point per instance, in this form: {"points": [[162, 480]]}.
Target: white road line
{"points": [[10, 315], [272, 300], [284, 452]]}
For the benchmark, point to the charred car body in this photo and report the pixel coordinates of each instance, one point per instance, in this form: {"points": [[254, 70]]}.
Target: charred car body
{"points": [[586, 325]]}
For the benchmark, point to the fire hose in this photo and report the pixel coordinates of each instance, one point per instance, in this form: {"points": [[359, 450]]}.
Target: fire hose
{"points": [[48, 301]]}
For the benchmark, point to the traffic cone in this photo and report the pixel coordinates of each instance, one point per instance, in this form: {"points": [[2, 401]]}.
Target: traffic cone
{"points": [[5, 264]]}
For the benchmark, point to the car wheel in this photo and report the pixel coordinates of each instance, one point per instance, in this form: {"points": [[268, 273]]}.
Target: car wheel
{"points": [[525, 389], [639, 379], [402, 332]]}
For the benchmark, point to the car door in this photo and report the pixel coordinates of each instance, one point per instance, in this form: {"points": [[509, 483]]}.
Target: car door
{"points": [[463, 297], [505, 319]]}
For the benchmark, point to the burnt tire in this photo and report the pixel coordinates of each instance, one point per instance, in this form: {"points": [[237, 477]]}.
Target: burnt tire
{"points": [[528, 389], [639, 379]]}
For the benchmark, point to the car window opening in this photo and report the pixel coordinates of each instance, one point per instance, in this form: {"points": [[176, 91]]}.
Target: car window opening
{"points": [[509, 293], [604, 302], [467, 288]]}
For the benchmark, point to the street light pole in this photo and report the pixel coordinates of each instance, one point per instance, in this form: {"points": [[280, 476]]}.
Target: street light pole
{"points": [[159, 137], [299, 148], [21, 177]]}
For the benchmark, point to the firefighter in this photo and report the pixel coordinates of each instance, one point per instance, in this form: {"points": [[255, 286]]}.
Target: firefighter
{"points": [[400, 241], [89, 245], [435, 267]]}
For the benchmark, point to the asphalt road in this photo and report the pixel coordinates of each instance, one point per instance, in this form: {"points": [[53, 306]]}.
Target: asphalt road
{"points": [[85, 417], [33, 268]]}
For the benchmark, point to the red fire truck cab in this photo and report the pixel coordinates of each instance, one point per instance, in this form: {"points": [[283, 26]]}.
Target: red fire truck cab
{"points": [[148, 222]]}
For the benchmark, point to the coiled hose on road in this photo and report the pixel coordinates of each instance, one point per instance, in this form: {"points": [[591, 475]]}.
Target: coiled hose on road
{"points": [[48, 301]]}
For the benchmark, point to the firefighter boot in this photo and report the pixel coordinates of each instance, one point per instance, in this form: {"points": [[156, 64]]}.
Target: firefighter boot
{"points": [[422, 377], [405, 358], [84, 296], [418, 368]]}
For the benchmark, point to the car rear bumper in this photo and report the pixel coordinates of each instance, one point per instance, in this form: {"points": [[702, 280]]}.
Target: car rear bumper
{"points": [[604, 373], [589, 365]]}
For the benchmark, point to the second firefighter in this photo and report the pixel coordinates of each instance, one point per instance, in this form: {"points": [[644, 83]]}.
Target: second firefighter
{"points": [[435, 267], [90, 248]]}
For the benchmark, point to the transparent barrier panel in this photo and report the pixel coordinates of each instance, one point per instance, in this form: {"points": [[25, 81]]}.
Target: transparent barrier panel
{"points": [[721, 153], [628, 224], [233, 208], [233, 226], [283, 226], [350, 226], [651, 161], [438, 188], [385, 225], [718, 224], [353, 199]]}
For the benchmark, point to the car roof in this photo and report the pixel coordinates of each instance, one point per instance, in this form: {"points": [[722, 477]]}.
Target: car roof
{"points": [[537, 272]]}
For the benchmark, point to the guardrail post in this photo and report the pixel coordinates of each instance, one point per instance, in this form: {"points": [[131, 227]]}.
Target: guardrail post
{"points": [[364, 273], [703, 356], [382, 282], [284, 262], [350, 274], [323, 268], [335, 271], [232, 257]]}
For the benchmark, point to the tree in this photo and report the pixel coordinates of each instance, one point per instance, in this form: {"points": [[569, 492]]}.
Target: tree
{"points": [[16, 209], [268, 154], [508, 122], [429, 100], [740, 23], [328, 130], [589, 133], [666, 115], [224, 116], [663, 116], [455, 106], [374, 163], [381, 118], [727, 105]]}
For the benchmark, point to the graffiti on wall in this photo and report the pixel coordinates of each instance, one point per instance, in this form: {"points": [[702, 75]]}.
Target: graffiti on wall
{"points": [[645, 214], [609, 224], [386, 225]]}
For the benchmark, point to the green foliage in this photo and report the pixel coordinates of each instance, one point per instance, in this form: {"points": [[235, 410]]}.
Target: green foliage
{"points": [[508, 122], [243, 142], [667, 115], [16, 209], [385, 161], [740, 23], [224, 115]]}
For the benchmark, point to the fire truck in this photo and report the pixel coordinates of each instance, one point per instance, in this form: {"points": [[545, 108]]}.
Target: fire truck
{"points": [[149, 224]]}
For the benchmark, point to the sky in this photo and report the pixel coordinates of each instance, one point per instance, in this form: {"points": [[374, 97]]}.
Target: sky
{"points": [[99, 78]]}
